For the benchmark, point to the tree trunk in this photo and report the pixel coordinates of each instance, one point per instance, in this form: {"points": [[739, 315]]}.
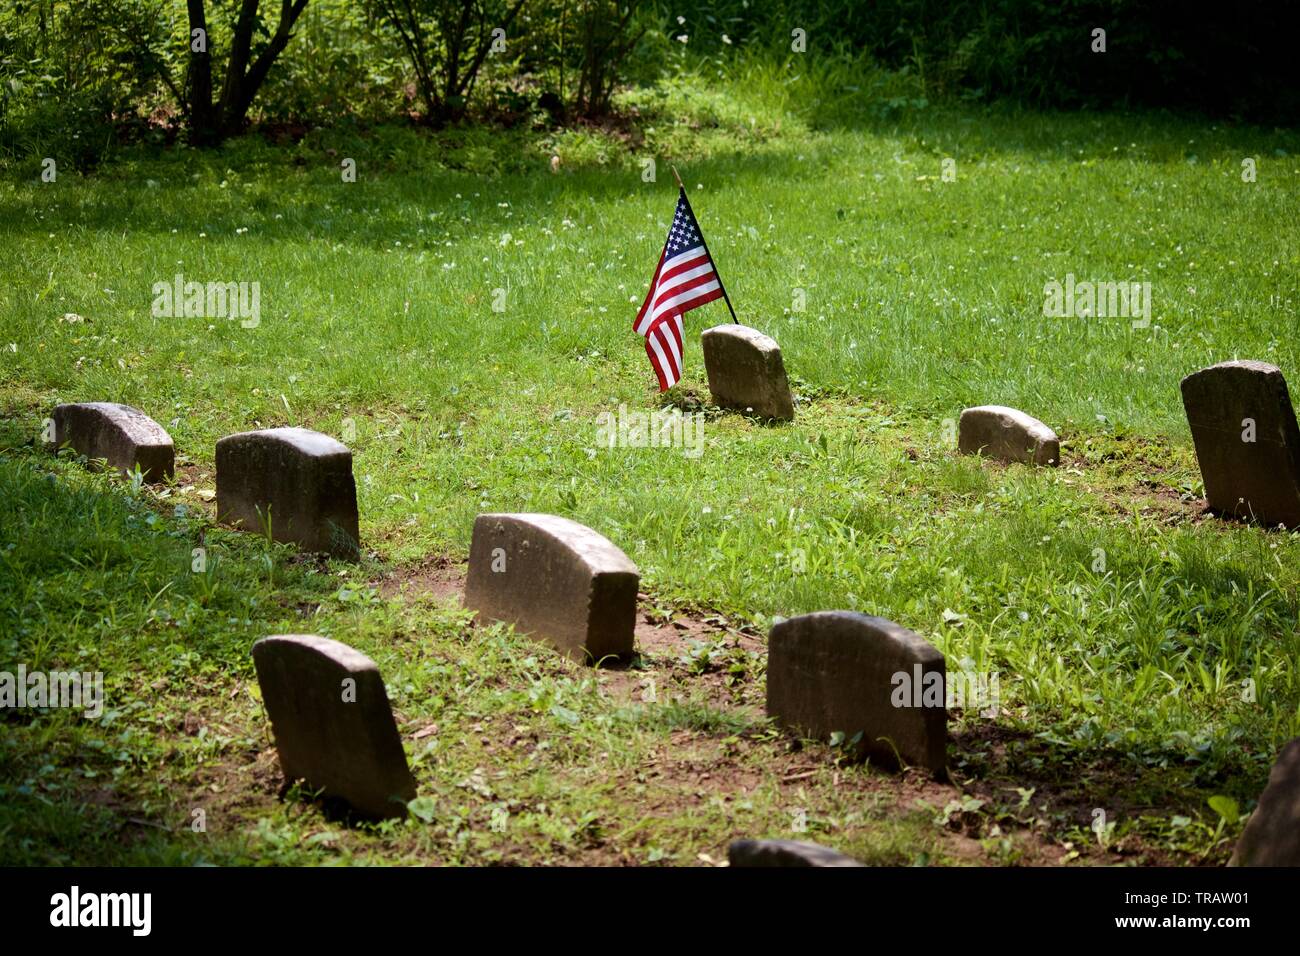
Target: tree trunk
{"points": [[232, 90], [203, 118], [211, 123]]}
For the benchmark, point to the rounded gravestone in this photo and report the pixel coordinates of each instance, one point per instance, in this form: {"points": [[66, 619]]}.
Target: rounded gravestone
{"points": [[1008, 434], [300, 480], [1247, 442], [555, 579], [332, 722], [122, 435], [841, 671], [746, 372]]}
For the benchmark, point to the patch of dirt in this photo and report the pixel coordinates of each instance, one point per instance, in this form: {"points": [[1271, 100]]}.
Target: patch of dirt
{"points": [[1134, 473], [1003, 764], [683, 654], [440, 577], [696, 770], [193, 485], [664, 645], [1152, 500]]}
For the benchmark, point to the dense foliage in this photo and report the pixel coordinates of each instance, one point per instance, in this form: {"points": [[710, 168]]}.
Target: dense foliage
{"points": [[79, 77], [1229, 59]]}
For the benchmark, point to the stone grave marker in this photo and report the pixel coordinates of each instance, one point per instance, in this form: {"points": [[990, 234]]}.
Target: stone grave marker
{"points": [[555, 579], [784, 853], [1272, 834], [865, 677], [125, 436], [1247, 442], [302, 479], [333, 726], [1007, 434], [746, 372]]}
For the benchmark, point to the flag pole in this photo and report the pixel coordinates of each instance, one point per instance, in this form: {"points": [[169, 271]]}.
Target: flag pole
{"points": [[726, 298]]}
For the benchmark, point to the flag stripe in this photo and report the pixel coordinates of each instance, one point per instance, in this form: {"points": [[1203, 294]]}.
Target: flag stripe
{"points": [[649, 296], [663, 368], [670, 333], [664, 346], [675, 267], [685, 283], [656, 364], [689, 299]]}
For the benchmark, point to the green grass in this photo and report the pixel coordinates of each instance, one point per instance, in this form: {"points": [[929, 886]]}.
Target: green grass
{"points": [[922, 297]]}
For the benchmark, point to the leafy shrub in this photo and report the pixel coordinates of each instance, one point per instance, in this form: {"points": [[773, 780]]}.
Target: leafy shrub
{"points": [[338, 67], [447, 43], [71, 74]]}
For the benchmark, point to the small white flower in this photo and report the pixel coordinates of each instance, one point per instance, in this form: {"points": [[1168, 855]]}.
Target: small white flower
{"points": [[682, 38], [726, 39]]}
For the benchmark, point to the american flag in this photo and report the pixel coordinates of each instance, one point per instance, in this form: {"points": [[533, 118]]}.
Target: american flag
{"points": [[684, 279]]}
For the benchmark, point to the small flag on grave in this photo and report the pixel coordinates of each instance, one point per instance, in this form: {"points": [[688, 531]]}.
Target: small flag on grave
{"points": [[684, 279]]}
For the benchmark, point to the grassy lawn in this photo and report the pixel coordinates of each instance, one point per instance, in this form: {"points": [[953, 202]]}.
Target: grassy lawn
{"points": [[1121, 621]]}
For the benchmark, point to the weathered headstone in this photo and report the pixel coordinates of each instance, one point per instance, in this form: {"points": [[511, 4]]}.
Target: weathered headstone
{"points": [[746, 372], [879, 684], [301, 479], [1272, 835], [125, 436], [784, 853], [556, 580], [1247, 442], [1008, 434], [333, 726]]}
